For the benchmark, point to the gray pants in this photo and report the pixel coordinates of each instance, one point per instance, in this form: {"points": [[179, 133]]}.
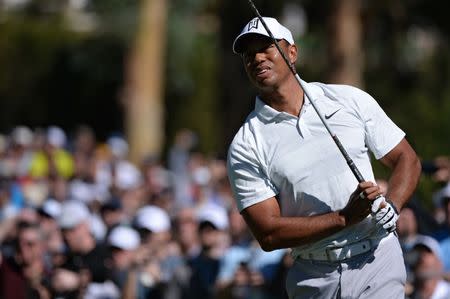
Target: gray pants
{"points": [[379, 273]]}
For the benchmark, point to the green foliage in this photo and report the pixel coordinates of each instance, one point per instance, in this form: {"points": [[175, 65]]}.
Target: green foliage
{"points": [[51, 75]]}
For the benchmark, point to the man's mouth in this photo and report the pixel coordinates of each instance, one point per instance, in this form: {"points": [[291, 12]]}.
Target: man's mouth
{"points": [[260, 72]]}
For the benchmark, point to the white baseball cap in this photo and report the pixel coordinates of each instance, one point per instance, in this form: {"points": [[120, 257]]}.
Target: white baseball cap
{"points": [[153, 218], [214, 214], [430, 243], [256, 27], [124, 237], [73, 213], [56, 136], [51, 208]]}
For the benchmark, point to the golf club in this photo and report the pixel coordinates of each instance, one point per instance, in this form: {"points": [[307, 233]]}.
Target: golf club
{"points": [[347, 158]]}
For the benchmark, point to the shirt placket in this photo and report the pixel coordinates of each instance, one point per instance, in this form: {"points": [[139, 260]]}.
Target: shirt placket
{"points": [[302, 122]]}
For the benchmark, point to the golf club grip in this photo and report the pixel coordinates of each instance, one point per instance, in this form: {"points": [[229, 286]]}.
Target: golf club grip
{"points": [[349, 160]]}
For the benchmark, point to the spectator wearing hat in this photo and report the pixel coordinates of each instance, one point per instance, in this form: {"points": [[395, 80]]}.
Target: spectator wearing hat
{"points": [[428, 271], [214, 240], [159, 254], [53, 160], [49, 213], [86, 260], [246, 270], [111, 213], [18, 156], [123, 242]]}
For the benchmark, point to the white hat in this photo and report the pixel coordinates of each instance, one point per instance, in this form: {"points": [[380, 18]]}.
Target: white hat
{"points": [[153, 218], [22, 135], [128, 176], [124, 237], [256, 27], [82, 191], [73, 213], [214, 214], [56, 136], [51, 208], [118, 146], [429, 243]]}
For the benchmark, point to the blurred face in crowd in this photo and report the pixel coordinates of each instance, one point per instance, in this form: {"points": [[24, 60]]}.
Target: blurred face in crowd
{"points": [[187, 228], [59, 188], [78, 238], [122, 259], [30, 245], [132, 199], [238, 227], [427, 273], [112, 216], [210, 236], [407, 223]]}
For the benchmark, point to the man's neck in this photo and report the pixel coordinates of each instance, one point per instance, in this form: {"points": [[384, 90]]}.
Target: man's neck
{"points": [[287, 98]]}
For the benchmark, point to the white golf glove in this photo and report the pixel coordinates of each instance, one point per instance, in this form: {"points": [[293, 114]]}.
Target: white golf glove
{"points": [[387, 217]]}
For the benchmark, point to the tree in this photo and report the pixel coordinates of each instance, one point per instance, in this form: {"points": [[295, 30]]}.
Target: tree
{"points": [[344, 43], [144, 84]]}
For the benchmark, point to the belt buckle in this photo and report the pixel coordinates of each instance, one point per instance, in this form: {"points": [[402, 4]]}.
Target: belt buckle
{"points": [[334, 254]]}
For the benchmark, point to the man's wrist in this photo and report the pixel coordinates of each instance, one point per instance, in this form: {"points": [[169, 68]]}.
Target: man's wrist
{"points": [[342, 218], [394, 206]]}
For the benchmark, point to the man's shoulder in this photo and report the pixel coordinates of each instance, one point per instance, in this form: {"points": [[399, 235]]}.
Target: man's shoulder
{"points": [[344, 90], [347, 95], [246, 130]]}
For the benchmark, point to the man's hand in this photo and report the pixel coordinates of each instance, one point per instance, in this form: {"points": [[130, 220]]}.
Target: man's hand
{"points": [[360, 202], [387, 217]]}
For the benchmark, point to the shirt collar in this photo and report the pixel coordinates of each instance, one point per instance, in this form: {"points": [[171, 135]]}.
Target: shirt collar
{"points": [[267, 113]]}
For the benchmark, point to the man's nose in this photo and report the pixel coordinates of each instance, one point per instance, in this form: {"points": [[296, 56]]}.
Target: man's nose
{"points": [[260, 56]]}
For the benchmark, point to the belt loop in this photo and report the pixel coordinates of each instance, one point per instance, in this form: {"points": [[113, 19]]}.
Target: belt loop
{"points": [[327, 253]]}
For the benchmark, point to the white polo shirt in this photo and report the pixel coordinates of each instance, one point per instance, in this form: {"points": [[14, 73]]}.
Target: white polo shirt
{"points": [[295, 159]]}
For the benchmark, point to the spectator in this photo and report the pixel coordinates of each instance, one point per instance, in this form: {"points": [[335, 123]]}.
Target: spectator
{"points": [[86, 260], [49, 213], [428, 275], [445, 243], [24, 274], [112, 214], [179, 156], [213, 231], [186, 232], [160, 256], [246, 271], [123, 242], [407, 229], [53, 160]]}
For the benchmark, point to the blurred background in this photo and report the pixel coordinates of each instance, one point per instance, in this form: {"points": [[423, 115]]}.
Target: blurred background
{"points": [[125, 104]]}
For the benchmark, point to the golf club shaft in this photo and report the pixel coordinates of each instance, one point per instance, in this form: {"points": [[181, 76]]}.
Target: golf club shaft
{"points": [[291, 66]]}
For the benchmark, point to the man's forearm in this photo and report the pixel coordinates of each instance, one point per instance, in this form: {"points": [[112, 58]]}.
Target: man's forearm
{"points": [[405, 176], [288, 232]]}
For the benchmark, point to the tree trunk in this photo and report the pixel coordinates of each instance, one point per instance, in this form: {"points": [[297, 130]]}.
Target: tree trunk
{"points": [[345, 38], [144, 115]]}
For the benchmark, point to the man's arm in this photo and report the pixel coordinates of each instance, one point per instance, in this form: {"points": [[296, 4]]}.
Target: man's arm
{"points": [[406, 169], [274, 231]]}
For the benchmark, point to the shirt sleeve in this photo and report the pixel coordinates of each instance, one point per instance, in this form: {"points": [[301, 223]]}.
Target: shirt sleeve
{"points": [[382, 134], [247, 176]]}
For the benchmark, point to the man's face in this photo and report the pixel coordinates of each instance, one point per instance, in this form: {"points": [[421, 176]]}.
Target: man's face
{"points": [[263, 62], [31, 247]]}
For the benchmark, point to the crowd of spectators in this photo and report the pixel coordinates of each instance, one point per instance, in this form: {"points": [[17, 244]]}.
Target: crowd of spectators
{"points": [[79, 220]]}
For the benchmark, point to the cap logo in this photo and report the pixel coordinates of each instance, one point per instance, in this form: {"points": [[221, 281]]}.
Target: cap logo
{"points": [[253, 24]]}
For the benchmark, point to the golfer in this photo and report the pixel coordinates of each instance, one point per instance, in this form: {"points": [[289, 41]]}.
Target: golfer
{"points": [[294, 188]]}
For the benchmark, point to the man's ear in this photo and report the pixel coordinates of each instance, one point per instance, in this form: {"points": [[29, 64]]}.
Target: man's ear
{"points": [[293, 52]]}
